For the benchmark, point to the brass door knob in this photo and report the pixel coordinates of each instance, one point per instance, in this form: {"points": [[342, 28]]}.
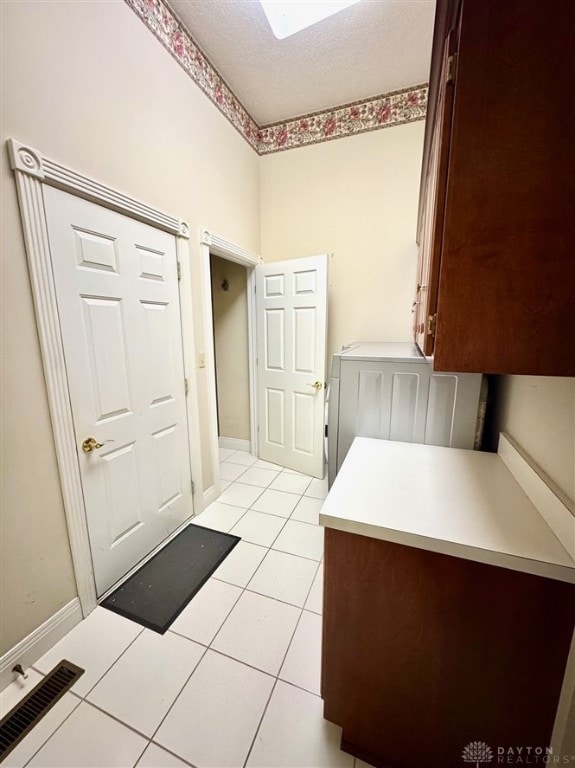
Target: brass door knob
{"points": [[316, 385], [90, 443]]}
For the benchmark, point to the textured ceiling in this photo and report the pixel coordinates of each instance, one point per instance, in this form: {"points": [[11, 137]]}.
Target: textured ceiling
{"points": [[371, 48]]}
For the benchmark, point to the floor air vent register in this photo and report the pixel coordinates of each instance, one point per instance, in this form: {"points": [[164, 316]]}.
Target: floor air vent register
{"points": [[24, 716]]}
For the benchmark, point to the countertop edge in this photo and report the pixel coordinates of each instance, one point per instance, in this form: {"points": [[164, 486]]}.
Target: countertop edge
{"points": [[453, 549]]}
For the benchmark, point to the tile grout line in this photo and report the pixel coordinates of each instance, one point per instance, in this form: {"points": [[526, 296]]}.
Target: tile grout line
{"points": [[278, 675], [301, 609], [55, 730]]}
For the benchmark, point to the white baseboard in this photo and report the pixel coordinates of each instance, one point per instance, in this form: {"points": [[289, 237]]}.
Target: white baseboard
{"points": [[38, 642], [234, 444], [210, 494]]}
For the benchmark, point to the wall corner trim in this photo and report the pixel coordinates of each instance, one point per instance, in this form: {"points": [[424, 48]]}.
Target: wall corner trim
{"points": [[38, 642]]}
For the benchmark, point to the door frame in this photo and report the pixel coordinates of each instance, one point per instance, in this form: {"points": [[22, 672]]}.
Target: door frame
{"points": [[211, 243], [32, 170]]}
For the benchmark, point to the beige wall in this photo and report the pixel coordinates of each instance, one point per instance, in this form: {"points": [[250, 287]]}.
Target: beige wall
{"points": [[230, 310], [355, 198], [539, 412], [88, 85]]}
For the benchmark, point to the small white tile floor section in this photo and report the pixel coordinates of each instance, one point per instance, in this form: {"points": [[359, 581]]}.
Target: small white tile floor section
{"points": [[235, 680]]}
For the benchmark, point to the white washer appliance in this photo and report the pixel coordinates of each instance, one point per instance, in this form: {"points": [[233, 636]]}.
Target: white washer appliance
{"points": [[389, 391]]}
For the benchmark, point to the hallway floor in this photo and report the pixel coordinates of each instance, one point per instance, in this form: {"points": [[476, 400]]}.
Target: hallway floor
{"points": [[235, 681]]}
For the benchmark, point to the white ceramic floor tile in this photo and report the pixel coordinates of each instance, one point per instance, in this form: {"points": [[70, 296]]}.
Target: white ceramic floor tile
{"points": [[214, 720], [143, 684], [156, 757], [302, 665], [241, 564], [259, 477], [16, 691], [260, 464], [301, 539], [317, 489], [90, 738], [240, 495], [94, 644], [307, 510], [244, 458], [276, 502], [224, 484], [225, 453], [294, 733], [291, 483], [284, 577], [207, 611], [220, 517], [229, 471], [258, 631], [315, 600], [258, 528], [41, 732]]}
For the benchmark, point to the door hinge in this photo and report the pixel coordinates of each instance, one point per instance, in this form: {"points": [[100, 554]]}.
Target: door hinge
{"points": [[193, 487], [451, 64], [179, 268], [431, 323], [186, 386]]}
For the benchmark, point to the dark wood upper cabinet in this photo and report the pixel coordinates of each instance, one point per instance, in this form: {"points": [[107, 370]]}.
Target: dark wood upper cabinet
{"points": [[496, 230]]}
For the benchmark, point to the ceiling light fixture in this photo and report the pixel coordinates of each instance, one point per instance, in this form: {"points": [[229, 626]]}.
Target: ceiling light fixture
{"points": [[289, 16]]}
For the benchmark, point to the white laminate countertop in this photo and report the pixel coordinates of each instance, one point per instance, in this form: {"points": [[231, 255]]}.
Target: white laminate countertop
{"points": [[448, 500]]}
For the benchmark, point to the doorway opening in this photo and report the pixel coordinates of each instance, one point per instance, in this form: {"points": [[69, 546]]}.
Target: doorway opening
{"points": [[236, 261], [229, 288]]}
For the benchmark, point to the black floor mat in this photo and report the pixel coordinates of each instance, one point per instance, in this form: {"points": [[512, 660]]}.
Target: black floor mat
{"points": [[160, 590]]}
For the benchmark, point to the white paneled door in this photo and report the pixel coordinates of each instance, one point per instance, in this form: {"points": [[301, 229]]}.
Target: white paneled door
{"points": [[291, 309], [118, 302]]}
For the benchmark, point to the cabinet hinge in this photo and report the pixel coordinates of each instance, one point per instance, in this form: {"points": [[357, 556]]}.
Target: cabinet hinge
{"points": [[179, 268], [451, 64], [186, 386], [431, 323]]}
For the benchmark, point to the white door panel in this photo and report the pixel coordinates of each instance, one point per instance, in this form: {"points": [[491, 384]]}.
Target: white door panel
{"points": [[291, 309], [118, 302]]}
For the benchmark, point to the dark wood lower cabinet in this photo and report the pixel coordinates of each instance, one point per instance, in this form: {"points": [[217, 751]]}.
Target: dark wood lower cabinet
{"points": [[424, 653]]}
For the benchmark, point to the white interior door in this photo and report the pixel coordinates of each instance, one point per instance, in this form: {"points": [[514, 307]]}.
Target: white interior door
{"points": [[118, 302], [291, 310]]}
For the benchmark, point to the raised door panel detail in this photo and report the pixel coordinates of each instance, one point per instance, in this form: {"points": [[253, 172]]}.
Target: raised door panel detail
{"points": [[166, 467], [303, 422], [275, 416], [107, 355], [440, 410], [304, 340], [152, 264], [404, 391], [122, 492], [95, 251], [274, 340], [160, 380], [305, 282], [372, 414], [118, 305], [274, 286]]}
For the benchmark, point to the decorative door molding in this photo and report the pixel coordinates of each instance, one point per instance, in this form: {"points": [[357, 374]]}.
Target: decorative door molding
{"points": [[32, 170]]}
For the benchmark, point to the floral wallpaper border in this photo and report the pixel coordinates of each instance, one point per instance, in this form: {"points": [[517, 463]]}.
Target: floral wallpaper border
{"points": [[395, 108]]}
